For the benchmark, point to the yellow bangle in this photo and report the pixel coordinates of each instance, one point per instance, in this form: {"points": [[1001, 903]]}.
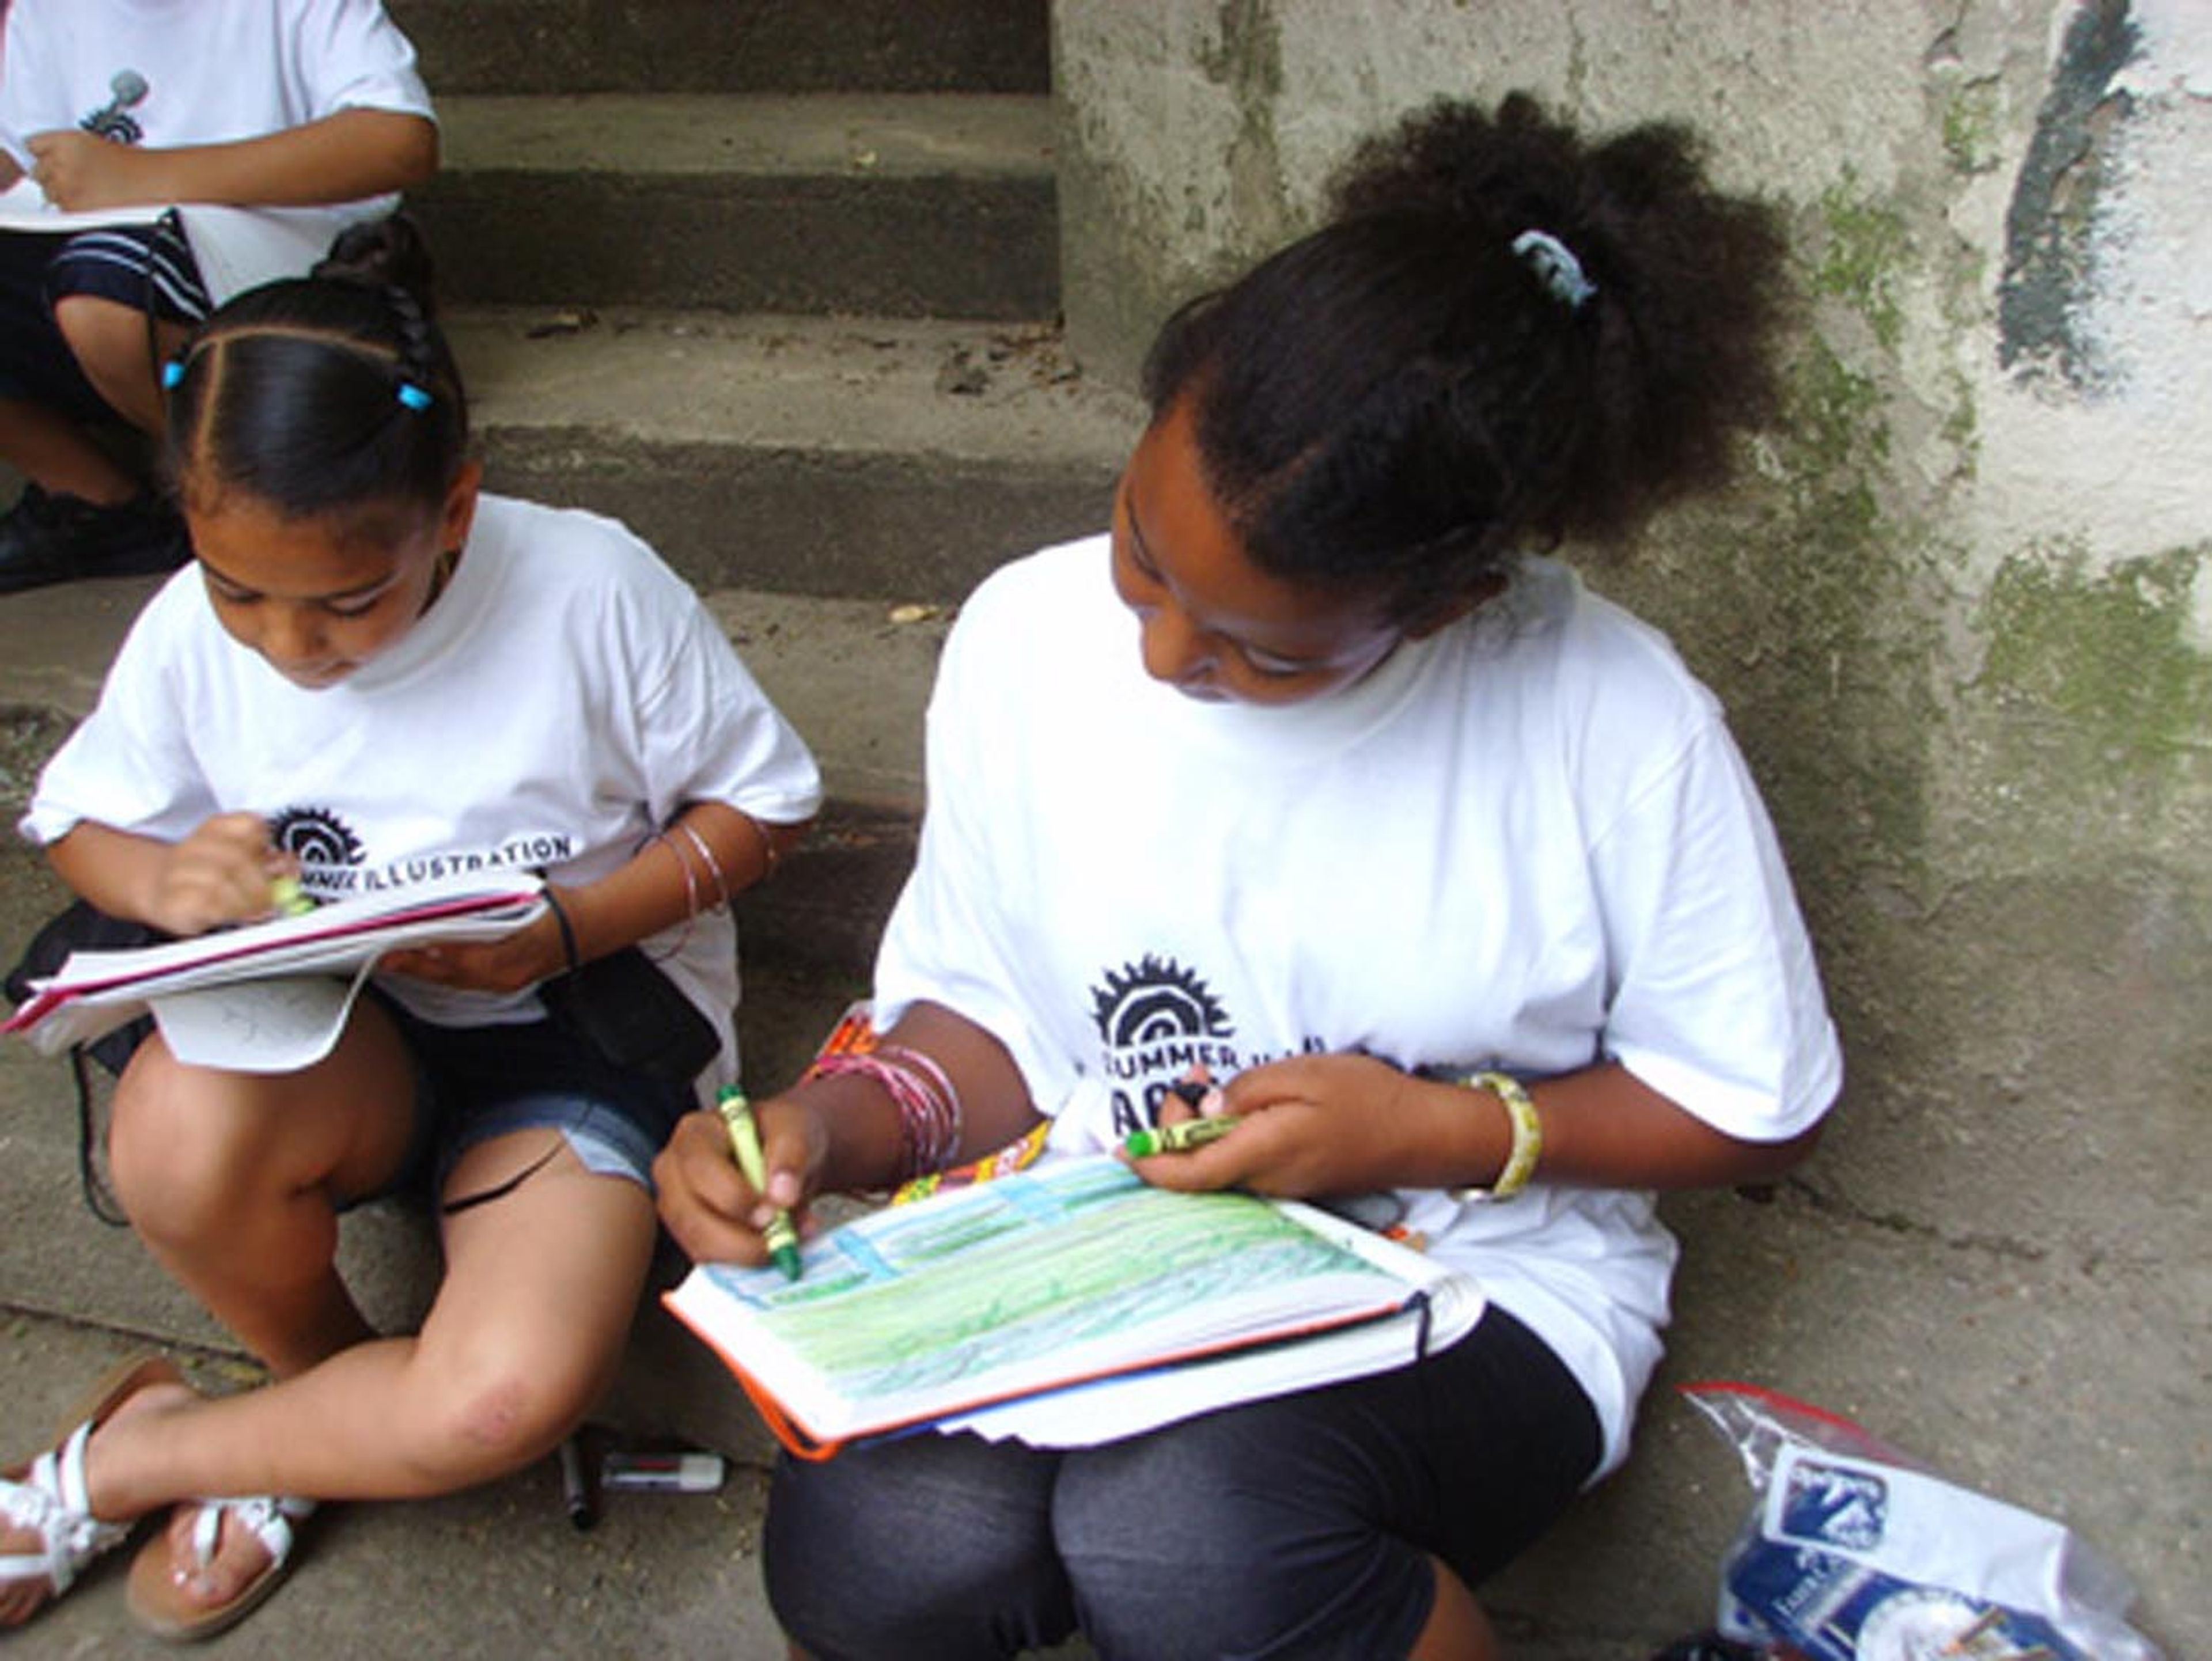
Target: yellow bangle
{"points": [[1528, 1136]]}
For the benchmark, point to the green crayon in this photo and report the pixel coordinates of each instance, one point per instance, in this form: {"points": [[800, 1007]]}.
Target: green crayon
{"points": [[288, 898], [1180, 1138], [744, 1142]]}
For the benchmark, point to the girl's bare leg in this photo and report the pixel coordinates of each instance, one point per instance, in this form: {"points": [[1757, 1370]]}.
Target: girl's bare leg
{"points": [[528, 1326], [109, 341], [48, 448], [233, 1180]]}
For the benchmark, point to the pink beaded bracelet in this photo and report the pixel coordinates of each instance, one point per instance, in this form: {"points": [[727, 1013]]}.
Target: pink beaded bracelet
{"points": [[929, 1108]]}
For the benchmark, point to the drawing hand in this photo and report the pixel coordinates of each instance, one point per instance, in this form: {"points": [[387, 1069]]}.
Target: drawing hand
{"points": [[713, 1212], [218, 874], [1312, 1124]]}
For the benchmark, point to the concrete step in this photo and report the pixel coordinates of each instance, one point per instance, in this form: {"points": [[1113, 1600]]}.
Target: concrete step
{"points": [[729, 45], [901, 459], [898, 205]]}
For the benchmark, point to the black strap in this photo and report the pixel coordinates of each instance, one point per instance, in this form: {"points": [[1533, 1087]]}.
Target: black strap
{"points": [[170, 227], [98, 1198], [500, 1190]]}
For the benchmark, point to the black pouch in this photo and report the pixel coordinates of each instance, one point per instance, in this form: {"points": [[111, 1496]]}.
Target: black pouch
{"points": [[81, 926], [634, 1015]]}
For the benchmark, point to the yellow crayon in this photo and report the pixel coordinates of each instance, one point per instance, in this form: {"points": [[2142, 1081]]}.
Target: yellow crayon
{"points": [[288, 898]]}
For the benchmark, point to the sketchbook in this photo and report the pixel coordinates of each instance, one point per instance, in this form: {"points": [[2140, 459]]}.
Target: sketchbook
{"points": [[268, 997], [1065, 1306]]}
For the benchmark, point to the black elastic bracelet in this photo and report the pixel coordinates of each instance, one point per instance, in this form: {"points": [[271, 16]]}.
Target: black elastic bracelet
{"points": [[568, 934]]}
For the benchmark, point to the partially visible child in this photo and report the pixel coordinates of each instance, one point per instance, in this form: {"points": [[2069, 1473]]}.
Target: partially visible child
{"points": [[269, 125], [377, 673]]}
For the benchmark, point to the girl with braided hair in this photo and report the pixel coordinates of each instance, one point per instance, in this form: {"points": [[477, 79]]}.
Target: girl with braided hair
{"points": [[376, 673], [1317, 783]]}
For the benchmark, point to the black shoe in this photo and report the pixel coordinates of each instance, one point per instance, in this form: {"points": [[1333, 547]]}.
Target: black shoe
{"points": [[52, 537]]}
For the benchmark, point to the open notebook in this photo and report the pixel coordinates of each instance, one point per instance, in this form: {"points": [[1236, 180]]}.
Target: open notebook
{"points": [[1065, 1306], [268, 997]]}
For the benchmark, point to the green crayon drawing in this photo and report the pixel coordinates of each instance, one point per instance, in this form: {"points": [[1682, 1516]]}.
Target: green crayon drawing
{"points": [[1047, 1259]]}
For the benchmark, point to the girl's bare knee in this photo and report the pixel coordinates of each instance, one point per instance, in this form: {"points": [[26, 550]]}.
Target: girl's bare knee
{"points": [[496, 1418], [185, 1164], [107, 338]]}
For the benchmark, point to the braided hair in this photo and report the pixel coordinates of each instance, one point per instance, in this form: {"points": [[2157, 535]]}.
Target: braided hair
{"points": [[1505, 336], [327, 394]]}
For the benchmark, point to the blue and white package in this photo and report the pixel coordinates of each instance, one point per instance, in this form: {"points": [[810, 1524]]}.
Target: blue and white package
{"points": [[1854, 1553]]}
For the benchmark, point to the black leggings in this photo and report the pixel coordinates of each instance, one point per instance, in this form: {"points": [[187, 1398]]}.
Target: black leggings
{"points": [[1297, 1527]]}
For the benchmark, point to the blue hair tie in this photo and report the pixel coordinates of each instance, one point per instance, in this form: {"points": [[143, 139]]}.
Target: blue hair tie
{"points": [[414, 397], [171, 373]]}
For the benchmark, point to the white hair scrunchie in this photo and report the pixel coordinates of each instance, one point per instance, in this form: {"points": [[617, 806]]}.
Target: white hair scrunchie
{"points": [[1556, 268]]}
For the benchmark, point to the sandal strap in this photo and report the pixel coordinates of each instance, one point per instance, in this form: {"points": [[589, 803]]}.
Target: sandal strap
{"points": [[52, 1499], [268, 1517]]}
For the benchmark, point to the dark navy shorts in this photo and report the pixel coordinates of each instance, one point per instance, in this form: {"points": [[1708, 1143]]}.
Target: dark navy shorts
{"points": [[146, 267]]}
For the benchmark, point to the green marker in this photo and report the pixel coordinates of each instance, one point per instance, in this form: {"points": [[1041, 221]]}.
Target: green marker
{"points": [[285, 894], [744, 1142], [1180, 1138]]}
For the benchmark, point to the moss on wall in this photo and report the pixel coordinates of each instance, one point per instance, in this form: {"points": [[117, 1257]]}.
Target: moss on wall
{"points": [[1866, 242], [2107, 652]]}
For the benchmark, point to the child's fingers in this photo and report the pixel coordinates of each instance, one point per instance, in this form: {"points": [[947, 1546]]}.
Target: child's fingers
{"points": [[703, 1198], [1195, 1095], [786, 1152]]}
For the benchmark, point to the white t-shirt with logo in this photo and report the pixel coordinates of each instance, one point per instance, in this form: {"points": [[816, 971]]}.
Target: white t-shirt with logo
{"points": [[166, 73], [565, 696], [1526, 842]]}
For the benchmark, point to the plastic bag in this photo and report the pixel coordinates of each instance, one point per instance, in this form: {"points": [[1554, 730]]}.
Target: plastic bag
{"points": [[1854, 1552]]}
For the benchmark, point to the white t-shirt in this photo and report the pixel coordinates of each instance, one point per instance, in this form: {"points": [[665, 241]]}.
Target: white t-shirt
{"points": [[565, 694], [1526, 842], [205, 72]]}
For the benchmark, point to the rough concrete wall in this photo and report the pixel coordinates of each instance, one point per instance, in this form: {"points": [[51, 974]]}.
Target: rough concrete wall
{"points": [[1961, 608]]}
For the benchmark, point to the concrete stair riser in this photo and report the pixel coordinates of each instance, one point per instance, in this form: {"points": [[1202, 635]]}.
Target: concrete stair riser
{"points": [[778, 245], [820, 457], [728, 45], [805, 523], [893, 207]]}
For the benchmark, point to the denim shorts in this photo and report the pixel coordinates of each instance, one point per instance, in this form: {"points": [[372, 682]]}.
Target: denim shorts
{"points": [[477, 1082]]}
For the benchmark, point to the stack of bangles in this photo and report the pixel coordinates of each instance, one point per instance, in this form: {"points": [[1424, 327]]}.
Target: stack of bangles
{"points": [[928, 1107]]}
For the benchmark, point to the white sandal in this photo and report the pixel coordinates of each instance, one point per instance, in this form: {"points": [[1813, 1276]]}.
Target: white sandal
{"points": [[158, 1601], [50, 1498]]}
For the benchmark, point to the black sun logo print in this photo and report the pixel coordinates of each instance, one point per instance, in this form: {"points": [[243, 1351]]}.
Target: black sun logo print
{"points": [[314, 837], [1155, 1001]]}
